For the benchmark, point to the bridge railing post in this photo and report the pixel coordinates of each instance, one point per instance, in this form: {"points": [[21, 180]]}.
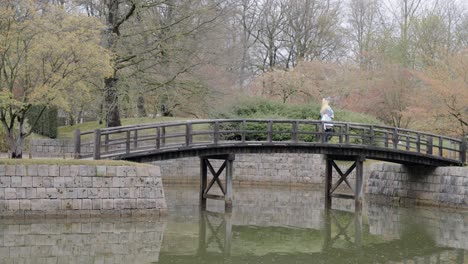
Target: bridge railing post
{"points": [[395, 138], [244, 129], [127, 142], [158, 138], [347, 134], [429, 146], [295, 128], [77, 143], [188, 134], [216, 133], [270, 131], [463, 150], [97, 144], [322, 132]]}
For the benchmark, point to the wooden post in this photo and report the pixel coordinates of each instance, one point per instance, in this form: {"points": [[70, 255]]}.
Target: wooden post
{"points": [[202, 233], [270, 131], [441, 147], [395, 138], [295, 128], [359, 182], [371, 132], [163, 136], [203, 182], [227, 233], [418, 142], [386, 139], [358, 228], [158, 138], [326, 229], [228, 195], [429, 145], [216, 133], [77, 144], [106, 143], [127, 142], [97, 144], [463, 149], [244, 129], [328, 183], [135, 139], [322, 133], [347, 134], [188, 134]]}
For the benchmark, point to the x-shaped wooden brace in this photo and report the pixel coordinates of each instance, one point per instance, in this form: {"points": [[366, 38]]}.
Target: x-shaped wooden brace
{"points": [[214, 233], [215, 176], [342, 231], [343, 176]]}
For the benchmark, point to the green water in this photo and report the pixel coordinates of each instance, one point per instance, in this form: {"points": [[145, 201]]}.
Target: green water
{"points": [[289, 225], [267, 225]]}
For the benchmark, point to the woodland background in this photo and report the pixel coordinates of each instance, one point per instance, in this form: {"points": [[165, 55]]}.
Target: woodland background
{"points": [[405, 62]]}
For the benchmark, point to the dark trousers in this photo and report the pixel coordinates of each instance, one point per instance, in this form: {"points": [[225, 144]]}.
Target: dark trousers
{"points": [[328, 133]]}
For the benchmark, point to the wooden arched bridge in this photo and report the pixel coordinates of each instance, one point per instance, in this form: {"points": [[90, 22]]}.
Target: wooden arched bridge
{"points": [[223, 138]]}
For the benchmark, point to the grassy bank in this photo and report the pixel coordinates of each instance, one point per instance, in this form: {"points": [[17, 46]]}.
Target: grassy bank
{"points": [[64, 162]]}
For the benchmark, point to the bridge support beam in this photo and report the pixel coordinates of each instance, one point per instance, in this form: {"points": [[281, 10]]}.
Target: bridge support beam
{"points": [[330, 188], [226, 189]]}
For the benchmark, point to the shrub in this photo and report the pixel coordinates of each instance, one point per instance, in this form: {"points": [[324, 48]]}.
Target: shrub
{"points": [[47, 123]]}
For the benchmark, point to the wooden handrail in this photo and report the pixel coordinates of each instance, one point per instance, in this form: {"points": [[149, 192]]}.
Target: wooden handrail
{"points": [[244, 131]]}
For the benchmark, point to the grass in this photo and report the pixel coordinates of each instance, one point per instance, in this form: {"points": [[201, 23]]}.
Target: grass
{"points": [[64, 162]]}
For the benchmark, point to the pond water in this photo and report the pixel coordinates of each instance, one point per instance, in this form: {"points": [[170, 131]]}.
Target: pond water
{"points": [[267, 225]]}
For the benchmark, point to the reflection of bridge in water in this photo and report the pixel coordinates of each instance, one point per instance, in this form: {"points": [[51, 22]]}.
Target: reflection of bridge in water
{"points": [[343, 240], [224, 138], [269, 227]]}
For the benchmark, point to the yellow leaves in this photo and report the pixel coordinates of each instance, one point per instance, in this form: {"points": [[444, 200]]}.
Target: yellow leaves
{"points": [[50, 53]]}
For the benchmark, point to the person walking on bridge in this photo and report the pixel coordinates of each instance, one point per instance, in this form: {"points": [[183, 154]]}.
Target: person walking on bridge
{"points": [[326, 114]]}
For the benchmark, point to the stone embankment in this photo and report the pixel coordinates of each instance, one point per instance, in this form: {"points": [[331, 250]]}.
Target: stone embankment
{"points": [[80, 190]]}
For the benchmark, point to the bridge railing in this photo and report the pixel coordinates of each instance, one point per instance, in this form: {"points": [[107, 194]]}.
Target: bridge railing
{"points": [[110, 142]]}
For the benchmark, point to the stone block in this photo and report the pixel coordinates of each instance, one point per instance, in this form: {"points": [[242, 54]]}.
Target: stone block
{"points": [[111, 171], [108, 204], [16, 181], [101, 171], [97, 204], [32, 170], [131, 171], [59, 182], [20, 170], [48, 182], [13, 205], [97, 182], [41, 193], [2, 170], [117, 182], [10, 193], [74, 170], [54, 170], [10, 170], [87, 182], [76, 204], [5, 181], [86, 204], [25, 205], [70, 193], [43, 170], [114, 192], [27, 181]]}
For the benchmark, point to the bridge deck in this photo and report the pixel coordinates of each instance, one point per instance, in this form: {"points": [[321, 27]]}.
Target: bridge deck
{"points": [[209, 137]]}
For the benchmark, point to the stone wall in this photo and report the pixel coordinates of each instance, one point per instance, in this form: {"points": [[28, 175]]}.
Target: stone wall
{"points": [[53, 148], [253, 168], [102, 240], [442, 186], [39, 190]]}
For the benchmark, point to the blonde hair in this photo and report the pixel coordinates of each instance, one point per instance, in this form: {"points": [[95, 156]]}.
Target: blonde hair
{"points": [[325, 102]]}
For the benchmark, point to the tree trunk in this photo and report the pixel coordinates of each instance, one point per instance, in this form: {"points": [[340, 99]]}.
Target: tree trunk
{"points": [[141, 106], [112, 104], [16, 144]]}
